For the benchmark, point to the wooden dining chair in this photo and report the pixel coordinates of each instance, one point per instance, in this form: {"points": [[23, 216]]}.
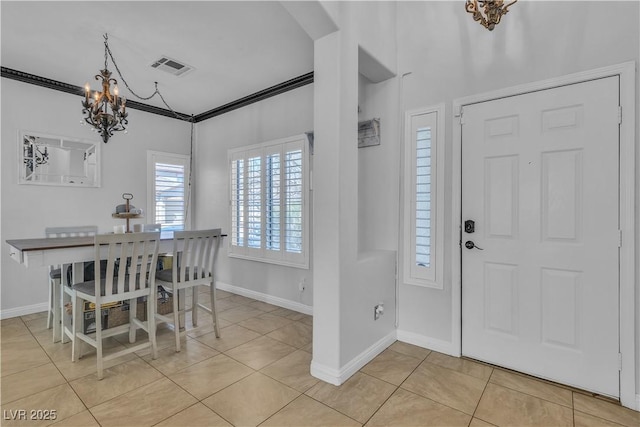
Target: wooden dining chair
{"points": [[126, 277], [194, 256], [58, 280]]}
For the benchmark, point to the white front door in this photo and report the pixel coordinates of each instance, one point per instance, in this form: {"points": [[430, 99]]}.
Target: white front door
{"points": [[540, 181]]}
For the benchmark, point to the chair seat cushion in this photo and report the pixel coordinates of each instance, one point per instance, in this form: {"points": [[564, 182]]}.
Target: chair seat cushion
{"points": [[167, 275]]}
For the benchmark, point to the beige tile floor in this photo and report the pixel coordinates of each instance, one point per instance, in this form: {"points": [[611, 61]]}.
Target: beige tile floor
{"points": [[257, 373]]}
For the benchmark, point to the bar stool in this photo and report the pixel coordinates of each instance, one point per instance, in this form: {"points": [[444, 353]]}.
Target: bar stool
{"points": [[129, 274], [57, 276], [194, 255]]}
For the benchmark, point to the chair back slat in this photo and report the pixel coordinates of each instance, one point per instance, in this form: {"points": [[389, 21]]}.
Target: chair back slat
{"points": [[110, 264], [136, 265], [208, 255], [197, 256], [204, 252], [186, 260], [78, 231], [144, 263], [128, 259]]}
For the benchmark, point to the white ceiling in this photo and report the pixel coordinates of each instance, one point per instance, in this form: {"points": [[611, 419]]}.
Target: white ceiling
{"points": [[236, 47]]}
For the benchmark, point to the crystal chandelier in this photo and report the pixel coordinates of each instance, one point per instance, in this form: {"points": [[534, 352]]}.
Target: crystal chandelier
{"points": [[488, 12], [105, 111]]}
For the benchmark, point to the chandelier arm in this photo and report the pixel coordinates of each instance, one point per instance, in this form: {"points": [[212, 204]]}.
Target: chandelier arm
{"points": [[472, 7], [488, 13]]}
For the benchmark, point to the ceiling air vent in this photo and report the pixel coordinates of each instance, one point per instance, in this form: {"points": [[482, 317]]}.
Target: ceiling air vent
{"points": [[171, 66]]}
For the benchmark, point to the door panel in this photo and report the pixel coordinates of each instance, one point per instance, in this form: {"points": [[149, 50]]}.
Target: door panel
{"points": [[540, 180]]}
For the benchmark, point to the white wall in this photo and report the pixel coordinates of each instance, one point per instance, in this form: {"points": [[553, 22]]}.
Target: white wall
{"points": [[287, 114], [28, 209], [450, 56], [355, 269], [379, 168]]}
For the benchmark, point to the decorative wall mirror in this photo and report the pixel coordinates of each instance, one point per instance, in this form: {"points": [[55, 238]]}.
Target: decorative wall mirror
{"points": [[57, 160]]}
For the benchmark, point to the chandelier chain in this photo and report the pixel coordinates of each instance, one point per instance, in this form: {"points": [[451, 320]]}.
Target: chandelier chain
{"points": [[107, 51]]}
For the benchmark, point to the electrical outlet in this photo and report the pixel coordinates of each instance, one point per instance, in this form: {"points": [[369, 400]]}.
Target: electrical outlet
{"points": [[378, 311], [301, 285]]}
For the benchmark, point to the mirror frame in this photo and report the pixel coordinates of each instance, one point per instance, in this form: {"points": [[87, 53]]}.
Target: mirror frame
{"points": [[22, 176]]}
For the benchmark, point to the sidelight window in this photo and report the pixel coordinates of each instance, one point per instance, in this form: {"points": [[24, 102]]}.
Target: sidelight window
{"points": [[423, 193]]}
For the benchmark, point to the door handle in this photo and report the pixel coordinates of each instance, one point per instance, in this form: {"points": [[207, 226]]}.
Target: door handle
{"points": [[470, 245]]}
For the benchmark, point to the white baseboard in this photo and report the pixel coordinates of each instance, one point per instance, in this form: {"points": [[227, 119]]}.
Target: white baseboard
{"points": [[339, 376], [434, 344], [23, 311], [269, 299]]}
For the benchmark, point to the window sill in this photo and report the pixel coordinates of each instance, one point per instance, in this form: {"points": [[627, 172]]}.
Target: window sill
{"points": [[304, 266], [424, 283]]}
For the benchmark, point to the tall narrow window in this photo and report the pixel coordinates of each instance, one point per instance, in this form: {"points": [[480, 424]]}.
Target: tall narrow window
{"points": [[423, 198], [237, 202], [254, 202], [268, 202], [272, 200], [168, 190], [293, 208], [423, 192]]}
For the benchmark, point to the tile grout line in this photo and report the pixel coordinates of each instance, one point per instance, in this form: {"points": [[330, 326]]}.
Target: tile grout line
{"points": [[42, 344], [435, 401], [573, 410], [67, 383], [235, 382], [481, 396], [534, 396], [198, 401]]}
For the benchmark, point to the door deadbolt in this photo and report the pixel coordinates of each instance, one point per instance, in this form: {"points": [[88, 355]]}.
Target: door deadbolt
{"points": [[469, 226]]}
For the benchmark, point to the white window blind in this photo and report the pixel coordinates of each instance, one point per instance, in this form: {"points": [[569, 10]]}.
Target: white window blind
{"points": [[273, 201], [254, 202], [294, 201], [268, 206], [423, 192], [423, 198], [168, 190]]}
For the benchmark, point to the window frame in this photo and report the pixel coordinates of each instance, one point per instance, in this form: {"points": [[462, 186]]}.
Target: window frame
{"points": [[154, 157], [278, 256], [431, 276]]}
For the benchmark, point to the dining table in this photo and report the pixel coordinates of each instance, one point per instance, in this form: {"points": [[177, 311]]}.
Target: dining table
{"points": [[43, 252]]}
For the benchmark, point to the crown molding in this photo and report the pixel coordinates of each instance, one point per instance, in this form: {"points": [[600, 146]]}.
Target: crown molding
{"points": [[77, 90], [286, 86], [45, 82]]}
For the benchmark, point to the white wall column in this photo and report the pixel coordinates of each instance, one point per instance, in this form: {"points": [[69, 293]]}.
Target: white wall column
{"points": [[327, 225], [347, 282]]}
